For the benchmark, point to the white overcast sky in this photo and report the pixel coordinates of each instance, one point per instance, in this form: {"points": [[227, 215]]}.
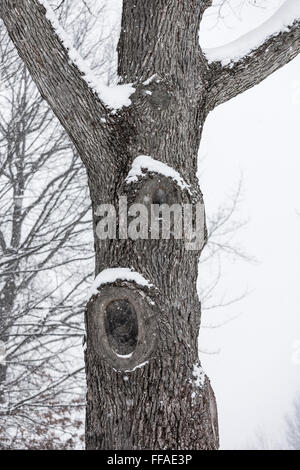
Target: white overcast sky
{"points": [[257, 135]]}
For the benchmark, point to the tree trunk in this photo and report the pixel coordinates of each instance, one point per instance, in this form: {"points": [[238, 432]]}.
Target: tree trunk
{"points": [[159, 405], [145, 385]]}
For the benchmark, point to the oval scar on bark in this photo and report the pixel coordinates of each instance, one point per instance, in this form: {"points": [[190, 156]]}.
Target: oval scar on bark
{"points": [[123, 325]]}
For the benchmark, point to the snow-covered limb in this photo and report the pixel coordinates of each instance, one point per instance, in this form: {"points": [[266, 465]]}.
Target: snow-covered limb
{"points": [[114, 97], [243, 63], [110, 275], [63, 79], [280, 22], [147, 163]]}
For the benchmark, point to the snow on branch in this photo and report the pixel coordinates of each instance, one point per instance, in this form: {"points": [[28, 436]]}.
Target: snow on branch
{"points": [[240, 65], [149, 164], [280, 22], [115, 97], [110, 275]]}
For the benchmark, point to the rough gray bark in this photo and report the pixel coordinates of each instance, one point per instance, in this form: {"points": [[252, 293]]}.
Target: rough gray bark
{"points": [[158, 405]]}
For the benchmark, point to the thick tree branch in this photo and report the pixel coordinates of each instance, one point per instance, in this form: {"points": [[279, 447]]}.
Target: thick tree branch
{"points": [[59, 81], [231, 80]]}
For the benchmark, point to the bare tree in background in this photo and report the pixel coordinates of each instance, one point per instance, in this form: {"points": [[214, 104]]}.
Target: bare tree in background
{"points": [[149, 399], [290, 433], [223, 228], [293, 425], [237, 7], [42, 181], [46, 260]]}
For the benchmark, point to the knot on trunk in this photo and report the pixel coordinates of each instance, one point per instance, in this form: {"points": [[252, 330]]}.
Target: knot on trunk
{"points": [[122, 321], [158, 92]]}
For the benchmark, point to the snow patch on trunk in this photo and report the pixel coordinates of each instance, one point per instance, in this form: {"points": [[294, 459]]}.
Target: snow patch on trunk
{"points": [[124, 356], [235, 51], [139, 366], [115, 97], [149, 80], [110, 275], [198, 378], [2, 354], [147, 163]]}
